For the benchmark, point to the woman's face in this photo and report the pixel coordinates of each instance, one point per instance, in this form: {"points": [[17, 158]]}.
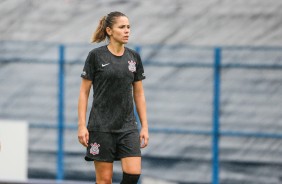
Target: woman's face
{"points": [[120, 31]]}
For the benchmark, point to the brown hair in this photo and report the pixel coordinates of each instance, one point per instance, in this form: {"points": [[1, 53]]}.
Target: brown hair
{"points": [[106, 21]]}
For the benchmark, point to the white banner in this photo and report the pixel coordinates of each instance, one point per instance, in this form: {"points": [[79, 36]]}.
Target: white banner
{"points": [[13, 150]]}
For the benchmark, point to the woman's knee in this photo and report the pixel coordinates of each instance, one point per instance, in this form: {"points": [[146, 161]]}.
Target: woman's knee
{"points": [[104, 177], [104, 172], [131, 165]]}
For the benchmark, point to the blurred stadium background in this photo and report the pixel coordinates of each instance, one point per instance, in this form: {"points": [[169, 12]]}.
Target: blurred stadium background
{"points": [[180, 42]]}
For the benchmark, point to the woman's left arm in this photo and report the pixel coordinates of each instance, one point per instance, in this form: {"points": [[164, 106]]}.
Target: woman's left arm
{"points": [[140, 102]]}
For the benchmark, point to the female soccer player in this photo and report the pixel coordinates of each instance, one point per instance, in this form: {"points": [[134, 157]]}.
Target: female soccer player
{"points": [[116, 73]]}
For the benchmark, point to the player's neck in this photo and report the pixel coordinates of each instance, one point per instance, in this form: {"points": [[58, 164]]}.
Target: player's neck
{"points": [[116, 49]]}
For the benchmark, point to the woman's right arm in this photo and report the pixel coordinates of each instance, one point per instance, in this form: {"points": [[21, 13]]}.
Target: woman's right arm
{"points": [[83, 134]]}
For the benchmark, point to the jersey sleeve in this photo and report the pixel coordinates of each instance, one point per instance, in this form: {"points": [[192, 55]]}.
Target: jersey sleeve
{"points": [[139, 74], [88, 69]]}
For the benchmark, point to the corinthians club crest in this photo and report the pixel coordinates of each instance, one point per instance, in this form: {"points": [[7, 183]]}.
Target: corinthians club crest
{"points": [[132, 66], [94, 150]]}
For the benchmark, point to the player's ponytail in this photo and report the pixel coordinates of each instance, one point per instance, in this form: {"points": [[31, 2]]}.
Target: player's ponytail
{"points": [[106, 21], [100, 34]]}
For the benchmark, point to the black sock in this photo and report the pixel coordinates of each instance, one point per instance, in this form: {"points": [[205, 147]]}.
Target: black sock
{"points": [[130, 178]]}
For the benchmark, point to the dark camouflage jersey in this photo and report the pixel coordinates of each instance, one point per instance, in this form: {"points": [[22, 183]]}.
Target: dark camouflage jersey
{"points": [[112, 77]]}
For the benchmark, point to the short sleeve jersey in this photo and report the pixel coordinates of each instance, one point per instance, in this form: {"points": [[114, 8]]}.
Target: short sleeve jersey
{"points": [[112, 78]]}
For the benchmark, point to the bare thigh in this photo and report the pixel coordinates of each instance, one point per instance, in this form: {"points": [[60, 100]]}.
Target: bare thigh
{"points": [[104, 172], [131, 165]]}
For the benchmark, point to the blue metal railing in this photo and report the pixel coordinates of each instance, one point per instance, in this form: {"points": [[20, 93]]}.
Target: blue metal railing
{"points": [[216, 110], [61, 118], [215, 133]]}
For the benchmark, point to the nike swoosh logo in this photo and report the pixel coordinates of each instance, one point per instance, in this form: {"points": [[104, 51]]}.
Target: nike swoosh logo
{"points": [[105, 64]]}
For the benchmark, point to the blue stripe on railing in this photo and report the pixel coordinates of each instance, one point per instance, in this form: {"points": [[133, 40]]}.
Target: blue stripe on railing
{"points": [[61, 120], [216, 123], [227, 133]]}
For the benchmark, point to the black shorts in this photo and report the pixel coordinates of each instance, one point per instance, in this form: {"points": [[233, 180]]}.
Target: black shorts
{"points": [[108, 147]]}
